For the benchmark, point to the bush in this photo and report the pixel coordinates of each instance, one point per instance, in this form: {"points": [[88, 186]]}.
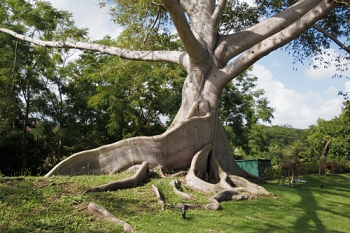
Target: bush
{"points": [[334, 167], [271, 173], [340, 167], [308, 168]]}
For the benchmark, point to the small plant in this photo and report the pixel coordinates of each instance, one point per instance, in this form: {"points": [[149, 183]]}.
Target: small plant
{"points": [[271, 173]]}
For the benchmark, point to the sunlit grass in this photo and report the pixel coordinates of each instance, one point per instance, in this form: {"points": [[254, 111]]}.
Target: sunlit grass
{"points": [[58, 204]]}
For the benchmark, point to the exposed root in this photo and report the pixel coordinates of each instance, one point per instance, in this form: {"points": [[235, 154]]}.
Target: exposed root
{"points": [[213, 204], [230, 187], [133, 169], [225, 195], [135, 180], [177, 190], [159, 197], [188, 206], [248, 186], [199, 161], [181, 173], [161, 170], [45, 185], [108, 216], [226, 182], [171, 149]]}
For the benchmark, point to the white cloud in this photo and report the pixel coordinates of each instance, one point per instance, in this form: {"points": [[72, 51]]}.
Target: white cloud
{"points": [[347, 86], [291, 107], [250, 2], [87, 14], [331, 90]]}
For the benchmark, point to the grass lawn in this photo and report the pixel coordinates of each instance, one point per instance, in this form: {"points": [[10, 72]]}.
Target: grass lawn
{"points": [[57, 204]]}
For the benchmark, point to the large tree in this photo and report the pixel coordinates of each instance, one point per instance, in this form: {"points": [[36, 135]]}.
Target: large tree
{"points": [[195, 139]]}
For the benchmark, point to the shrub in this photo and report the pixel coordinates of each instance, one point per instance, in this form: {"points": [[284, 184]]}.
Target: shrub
{"points": [[340, 167], [271, 173], [308, 168]]}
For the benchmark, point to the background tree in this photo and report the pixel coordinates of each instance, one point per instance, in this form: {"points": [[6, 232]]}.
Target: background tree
{"points": [[337, 131], [242, 109], [27, 73]]}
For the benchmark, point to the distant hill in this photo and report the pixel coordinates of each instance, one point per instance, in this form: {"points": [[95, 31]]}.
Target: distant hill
{"points": [[283, 135]]}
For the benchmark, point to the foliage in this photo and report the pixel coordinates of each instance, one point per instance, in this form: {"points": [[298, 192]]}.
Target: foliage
{"points": [[237, 16], [337, 130], [242, 107], [29, 75], [272, 173], [58, 205], [283, 135], [285, 141], [135, 95]]}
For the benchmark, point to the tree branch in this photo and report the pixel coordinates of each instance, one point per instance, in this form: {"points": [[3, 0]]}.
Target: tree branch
{"points": [[231, 45], [149, 31], [330, 36], [218, 13], [281, 38], [175, 57], [194, 49]]}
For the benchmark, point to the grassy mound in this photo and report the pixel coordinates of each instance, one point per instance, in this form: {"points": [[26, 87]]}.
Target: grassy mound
{"points": [[58, 204]]}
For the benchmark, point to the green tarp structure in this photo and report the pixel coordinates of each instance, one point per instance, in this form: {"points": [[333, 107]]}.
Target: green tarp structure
{"points": [[255, 166]]}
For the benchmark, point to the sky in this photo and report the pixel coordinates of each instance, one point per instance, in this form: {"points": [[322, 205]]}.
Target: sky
{"points": [[299, 94]]}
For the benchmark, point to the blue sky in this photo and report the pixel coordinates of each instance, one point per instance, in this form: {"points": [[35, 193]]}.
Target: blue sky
{"points": [[299, 94]]}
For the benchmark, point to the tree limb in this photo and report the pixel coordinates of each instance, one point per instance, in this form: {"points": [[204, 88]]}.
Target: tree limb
{"points": [[218, 13], [154, 23], [175, 57], [279, 39], [194, 49], [330, 36], [231, 45]]}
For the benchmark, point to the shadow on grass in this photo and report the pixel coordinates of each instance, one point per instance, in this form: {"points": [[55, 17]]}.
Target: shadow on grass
{"points": [[311, 219]]}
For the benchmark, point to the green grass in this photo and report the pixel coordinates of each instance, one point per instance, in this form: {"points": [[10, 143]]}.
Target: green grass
{"points": [[58, 204]]}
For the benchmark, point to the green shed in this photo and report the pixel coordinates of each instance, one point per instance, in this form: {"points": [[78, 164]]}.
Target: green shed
{"points": [[255, 166]]}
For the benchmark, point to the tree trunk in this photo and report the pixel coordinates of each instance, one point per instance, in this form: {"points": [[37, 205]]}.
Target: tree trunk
{"points": [[24, 129]]}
